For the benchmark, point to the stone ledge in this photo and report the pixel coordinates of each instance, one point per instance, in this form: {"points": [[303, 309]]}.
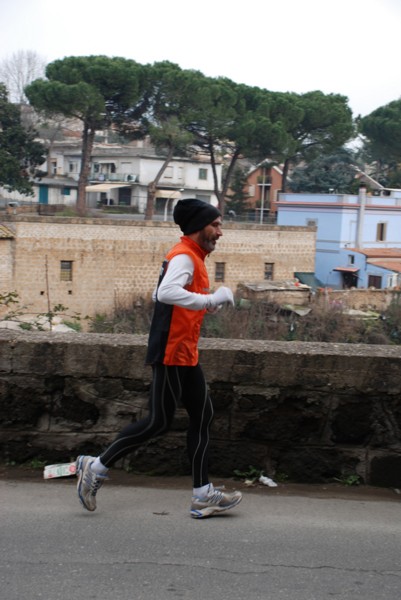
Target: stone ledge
{"points": [[312, 411]]}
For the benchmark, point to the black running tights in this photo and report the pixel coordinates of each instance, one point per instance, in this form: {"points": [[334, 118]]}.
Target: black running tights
{"points": [[171, 385]]}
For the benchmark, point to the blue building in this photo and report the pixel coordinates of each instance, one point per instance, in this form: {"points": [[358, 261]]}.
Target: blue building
{"points": [[358, 239]]}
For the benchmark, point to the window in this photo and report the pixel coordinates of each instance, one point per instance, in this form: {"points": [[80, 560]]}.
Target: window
{"points": [[220, 271], [53, 167], [168, 173], [66, 191], [311, 222], [66, 270], [392, 281], [203, 174], [351, 259], [381, 232], [269, 267]]}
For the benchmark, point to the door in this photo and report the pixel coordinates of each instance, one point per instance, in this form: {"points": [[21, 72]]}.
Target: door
{"points": [[124, 196], [43, 194], [375, 281]]}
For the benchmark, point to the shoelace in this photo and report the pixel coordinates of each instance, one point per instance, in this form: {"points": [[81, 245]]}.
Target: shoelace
{"points": [[215, 496], [94, 483]]}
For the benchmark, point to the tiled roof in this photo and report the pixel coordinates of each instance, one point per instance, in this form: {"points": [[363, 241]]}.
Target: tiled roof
{"points": [[378, 252], [391, 265], [347, 269]]}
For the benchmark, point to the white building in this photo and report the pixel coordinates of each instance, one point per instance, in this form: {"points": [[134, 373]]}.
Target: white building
{"points": [[120, 175]]}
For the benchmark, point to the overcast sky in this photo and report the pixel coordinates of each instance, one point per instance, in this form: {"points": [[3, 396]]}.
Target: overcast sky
{"points": [[350, 47]]}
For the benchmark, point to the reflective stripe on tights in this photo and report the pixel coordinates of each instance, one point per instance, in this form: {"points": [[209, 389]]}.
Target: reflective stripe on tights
{"points": [[170, 386]]}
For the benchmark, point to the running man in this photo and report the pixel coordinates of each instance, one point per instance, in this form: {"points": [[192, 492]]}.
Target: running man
{"points": [[182, 300]]}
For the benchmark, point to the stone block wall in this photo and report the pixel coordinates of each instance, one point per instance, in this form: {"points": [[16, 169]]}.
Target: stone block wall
{"points": [[309, 412], [115, 262], [360, 299]]}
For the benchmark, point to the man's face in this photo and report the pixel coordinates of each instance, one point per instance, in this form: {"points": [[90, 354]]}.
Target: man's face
{"points": [[208, 236]]}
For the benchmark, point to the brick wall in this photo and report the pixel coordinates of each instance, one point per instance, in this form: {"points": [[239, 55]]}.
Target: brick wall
{"points": [[117, 261]]}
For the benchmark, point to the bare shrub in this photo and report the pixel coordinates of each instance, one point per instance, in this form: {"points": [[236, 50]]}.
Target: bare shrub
{"points": [[391, 322], [329, 324], [254, 320], [134, 318], [267, 321]]}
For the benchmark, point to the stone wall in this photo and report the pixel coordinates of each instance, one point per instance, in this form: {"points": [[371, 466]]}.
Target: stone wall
{"points": [[117, 261], [360, 299], [310, 412]]}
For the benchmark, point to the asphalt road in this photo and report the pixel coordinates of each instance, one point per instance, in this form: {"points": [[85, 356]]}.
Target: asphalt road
{"points": [[141, 544]]}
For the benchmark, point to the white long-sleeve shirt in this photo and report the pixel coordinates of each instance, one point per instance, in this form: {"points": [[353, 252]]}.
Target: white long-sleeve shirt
{"points": [[172, 290]]}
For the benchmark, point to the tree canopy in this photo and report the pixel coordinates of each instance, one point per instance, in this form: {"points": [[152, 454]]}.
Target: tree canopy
{"points": [[95, 89], [383, 129], [319, 123], [231, 120], [20, 153], [184, 112], [382, 141], [166, 96], [334, 173]]}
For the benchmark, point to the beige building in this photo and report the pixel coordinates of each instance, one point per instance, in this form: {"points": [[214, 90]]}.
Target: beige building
{"points": [[94, 265]]}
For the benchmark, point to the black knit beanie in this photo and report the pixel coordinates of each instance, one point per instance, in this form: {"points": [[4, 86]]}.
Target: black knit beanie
{"points": [[193, 215]]}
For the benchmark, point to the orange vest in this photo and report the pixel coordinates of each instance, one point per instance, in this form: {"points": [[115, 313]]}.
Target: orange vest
{"points": [[175, 331]]}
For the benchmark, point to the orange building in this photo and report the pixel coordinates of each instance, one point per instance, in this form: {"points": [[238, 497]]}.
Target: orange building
{"points": [[262, 187]]}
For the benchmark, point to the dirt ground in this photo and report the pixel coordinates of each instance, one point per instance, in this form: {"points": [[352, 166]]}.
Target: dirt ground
{"points": [[120, 477]]}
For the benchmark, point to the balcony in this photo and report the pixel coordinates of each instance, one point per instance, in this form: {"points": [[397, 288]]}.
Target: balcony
{"points": [[115, 177]]}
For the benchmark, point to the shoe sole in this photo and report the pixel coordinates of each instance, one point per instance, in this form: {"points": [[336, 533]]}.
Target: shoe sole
{"points": [[80, 472], [211, 510]]}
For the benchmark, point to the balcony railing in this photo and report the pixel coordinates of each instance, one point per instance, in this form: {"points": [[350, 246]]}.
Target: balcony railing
{"points": [[115, 177]]}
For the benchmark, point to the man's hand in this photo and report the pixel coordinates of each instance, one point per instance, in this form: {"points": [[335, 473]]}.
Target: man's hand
{"points": [[222, 296]]}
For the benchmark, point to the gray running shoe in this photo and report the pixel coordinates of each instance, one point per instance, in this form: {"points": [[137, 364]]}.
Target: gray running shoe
{"points": [[88, 482], [215, 501]]}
